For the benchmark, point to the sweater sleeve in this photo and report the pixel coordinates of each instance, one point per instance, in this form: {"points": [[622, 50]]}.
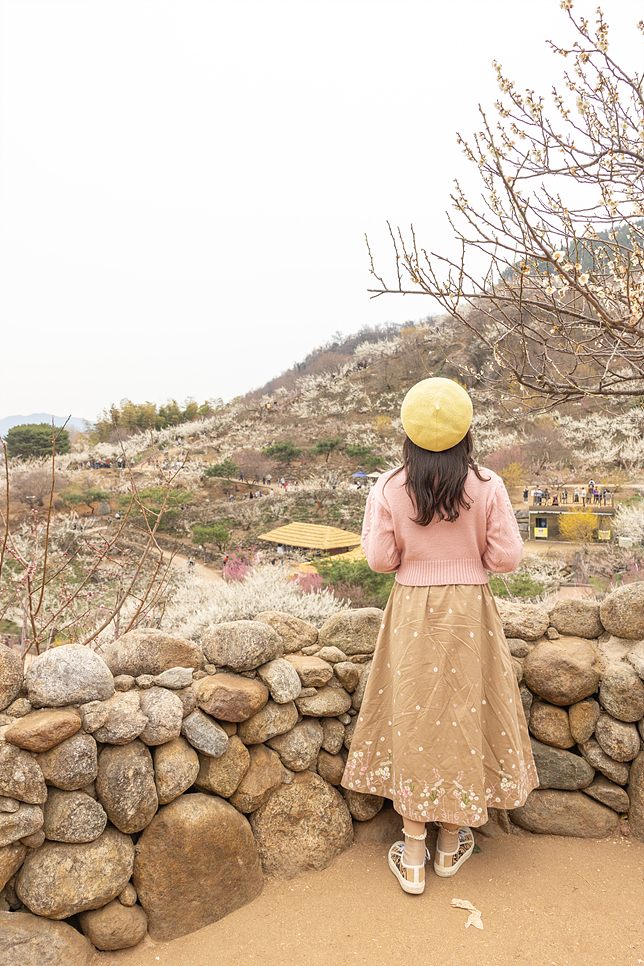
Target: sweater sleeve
{"points": [[378, 538], [503, 545]]}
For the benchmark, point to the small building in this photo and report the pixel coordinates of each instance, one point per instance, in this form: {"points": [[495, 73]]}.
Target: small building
{"points": [[543, 522], [313, 536]]}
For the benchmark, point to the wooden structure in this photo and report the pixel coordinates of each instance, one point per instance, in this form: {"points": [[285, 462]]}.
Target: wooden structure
{"points": [[312, 536]]}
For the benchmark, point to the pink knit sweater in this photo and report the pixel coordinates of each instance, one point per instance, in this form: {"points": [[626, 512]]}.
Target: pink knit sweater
{"points": [[485, 537]]}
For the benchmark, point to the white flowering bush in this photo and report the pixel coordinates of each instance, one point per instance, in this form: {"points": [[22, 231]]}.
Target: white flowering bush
{"points": [[629, 522], [196, 602]]}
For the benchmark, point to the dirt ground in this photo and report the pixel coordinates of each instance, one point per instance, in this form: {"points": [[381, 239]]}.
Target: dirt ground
{"points": [[545, 900]]}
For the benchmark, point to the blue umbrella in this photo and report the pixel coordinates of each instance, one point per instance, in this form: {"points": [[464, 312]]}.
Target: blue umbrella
{"points": [[359, 473]]}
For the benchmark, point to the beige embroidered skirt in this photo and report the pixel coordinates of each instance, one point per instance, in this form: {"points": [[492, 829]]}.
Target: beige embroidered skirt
{"points": [[441, 730]]}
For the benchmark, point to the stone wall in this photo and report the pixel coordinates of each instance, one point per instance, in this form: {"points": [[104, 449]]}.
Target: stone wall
{"points": [[151, 789]]}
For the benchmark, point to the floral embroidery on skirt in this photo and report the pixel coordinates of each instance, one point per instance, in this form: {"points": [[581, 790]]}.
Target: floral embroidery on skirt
{"points": [[441, 730]]}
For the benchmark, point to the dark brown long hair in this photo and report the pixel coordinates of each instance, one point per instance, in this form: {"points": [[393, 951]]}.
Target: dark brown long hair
{"points": [[435, 482]]}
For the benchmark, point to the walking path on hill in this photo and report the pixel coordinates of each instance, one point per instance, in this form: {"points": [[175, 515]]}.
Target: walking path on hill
{"points": [[545, 901]]}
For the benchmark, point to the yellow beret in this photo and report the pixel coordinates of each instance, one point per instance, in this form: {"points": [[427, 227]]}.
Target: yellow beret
{"points": [[436, 414]]}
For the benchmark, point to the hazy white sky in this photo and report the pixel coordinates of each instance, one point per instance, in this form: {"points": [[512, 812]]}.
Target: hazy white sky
{"points": [[185, 184]]}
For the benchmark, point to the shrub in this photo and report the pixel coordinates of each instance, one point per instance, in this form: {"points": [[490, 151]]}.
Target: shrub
{"points": [[237, 567], [227, 469], [578, 527], [308, 583], [520, 584], [211, 533], [350, 579]]}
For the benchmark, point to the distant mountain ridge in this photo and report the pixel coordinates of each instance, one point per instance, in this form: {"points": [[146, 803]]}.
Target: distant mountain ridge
{"points": [[7, 422]]}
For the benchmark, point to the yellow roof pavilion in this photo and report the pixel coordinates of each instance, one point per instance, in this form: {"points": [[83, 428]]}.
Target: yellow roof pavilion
{"points": [[352, 555], [312, 536]]}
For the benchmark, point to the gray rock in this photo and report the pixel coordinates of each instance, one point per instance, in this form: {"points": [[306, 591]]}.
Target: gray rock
{"points": [[617, 771], [241, 645], [319, 826], [331, 767], [20, 776], [10, 676], [582, 718], [552, 812], [11, 858], [164, 712], [527, 698], [125, 786], [34, 840], [528, 622], [309, 650], [635, 657], [70, 674], [352, 631], [145, 651], [114, 926], [124, 682], [115, 721], [328, 702], [273, 719], [59, 880], [550, 725], [618, 739], [348, 674], [174, 678], [333, 735], [560, 769], [553, 634], [299, 747], [358, 694], [636, 797], [17, 825], [281, 679], [263, 776], [144, 681], [205, 734], [221, 776], [196, 863], [362, 807], [9, 804], [606, 792], [348, 733], [129, 896], [72, 817], [231, 697], [27, 940], [577, 618], [72, 764], [311, 671], [519, 648], [331, 654], [188, 699], [622, 612], [176, 765], [294, 632], [564, 671], [622, 691], [19, 708]]}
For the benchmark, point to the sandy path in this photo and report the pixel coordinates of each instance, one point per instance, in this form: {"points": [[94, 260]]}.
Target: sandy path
{"points": [[545, 900]]}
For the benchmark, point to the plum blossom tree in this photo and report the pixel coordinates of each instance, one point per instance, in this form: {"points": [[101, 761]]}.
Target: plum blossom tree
{"points": [[560, 300]]}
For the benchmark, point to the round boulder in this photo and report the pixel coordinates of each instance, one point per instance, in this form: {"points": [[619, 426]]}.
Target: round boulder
{"points": [[72, 764], [196, 862], [114, 926], [70, 674], [72, 817], [577, 618], [10, 676], [525, 621], [622, 692], [550, 724], [294, 632], [176, 765], [352, 631], [302, 826], [125, 785], [164, 712], [551, 812], [58, 880], [562, 671], [28, 940], [622, 612], [231, 697], [241, 645], [560, 769], [145, 651], [619, 739], [362, 807]]}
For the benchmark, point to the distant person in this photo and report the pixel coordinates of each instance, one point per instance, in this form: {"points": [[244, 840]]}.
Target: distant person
{"points": [[565, 496], [555, 500], [583, 496], [575, 498], [525, 495]]}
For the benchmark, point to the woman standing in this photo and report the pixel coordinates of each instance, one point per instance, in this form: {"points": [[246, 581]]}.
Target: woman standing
{"points": [[441, 730]]}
